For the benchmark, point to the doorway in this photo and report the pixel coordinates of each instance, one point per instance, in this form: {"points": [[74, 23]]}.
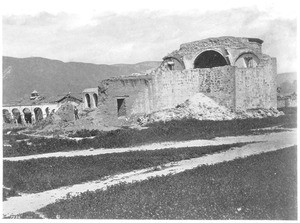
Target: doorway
{"points": [[121, 107]]}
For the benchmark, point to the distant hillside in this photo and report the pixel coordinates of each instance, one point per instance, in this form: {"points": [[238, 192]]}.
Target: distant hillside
{"points": [[53, 77], [287, 83], [22, 75]]}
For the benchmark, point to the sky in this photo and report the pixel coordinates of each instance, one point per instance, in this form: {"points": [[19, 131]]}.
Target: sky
{"points": [[115, 31]]}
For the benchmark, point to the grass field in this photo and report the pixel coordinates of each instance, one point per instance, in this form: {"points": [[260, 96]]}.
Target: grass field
{"points": [[159, 132], [44, 174], [258, 187]]}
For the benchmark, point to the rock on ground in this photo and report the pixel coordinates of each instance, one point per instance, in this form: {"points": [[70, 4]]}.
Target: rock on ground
{"points": [[202, 107]]}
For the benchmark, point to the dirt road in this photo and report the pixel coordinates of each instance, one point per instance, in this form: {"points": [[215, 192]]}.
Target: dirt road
{"points": [[264, 143], [155, 146]]}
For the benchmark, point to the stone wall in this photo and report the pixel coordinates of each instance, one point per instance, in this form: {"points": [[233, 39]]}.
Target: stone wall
{"points": [[230, 86], [174, 87], [165, 89], [256, 87], [136, 91]]}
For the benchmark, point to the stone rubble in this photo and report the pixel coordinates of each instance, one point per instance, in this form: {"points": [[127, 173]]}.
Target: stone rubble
{"points": [[202, 107]]}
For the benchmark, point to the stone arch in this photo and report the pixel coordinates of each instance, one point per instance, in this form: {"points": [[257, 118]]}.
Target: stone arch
{"points": [[174, 63], [27, 115], [17, 115], [209, 59], [95, 97], [38, 114], [246, 60], [87, 100], [6, 116]]}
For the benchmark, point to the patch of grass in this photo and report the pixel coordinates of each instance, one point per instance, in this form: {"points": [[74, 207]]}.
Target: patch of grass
{"points": [[176, 130], [26, 215], [85, 133], [258, 187], [8, 193], [13, 130], [14, 137], [288, 110], [44, 174]]}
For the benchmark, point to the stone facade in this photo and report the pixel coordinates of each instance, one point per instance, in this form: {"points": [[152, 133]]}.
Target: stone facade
{"points": [[90, 98], [232, 71]]}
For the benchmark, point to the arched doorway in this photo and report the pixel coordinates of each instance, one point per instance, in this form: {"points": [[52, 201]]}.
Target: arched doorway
{"points": [[27, 115], [6, 116], [209, 59], [95, 96], [17, 116], [38, 114], [88, 100]]}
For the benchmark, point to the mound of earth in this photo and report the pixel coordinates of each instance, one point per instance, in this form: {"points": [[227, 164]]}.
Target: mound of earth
{"points": [[60, 123], [202, 107]]}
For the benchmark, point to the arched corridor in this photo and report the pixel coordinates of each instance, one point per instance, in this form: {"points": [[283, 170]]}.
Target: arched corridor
{"points": [[47, 110], [6, 116], [17, 116], [27, 115], [38, 114]]}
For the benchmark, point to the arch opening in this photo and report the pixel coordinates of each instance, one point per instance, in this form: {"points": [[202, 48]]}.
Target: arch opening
{"points": [[247, 60], [209, 59], [87, 100], [6, 116], [27, 115], [47, 110], [17, 116], [95, 96], [38, 114], [174, 63]]}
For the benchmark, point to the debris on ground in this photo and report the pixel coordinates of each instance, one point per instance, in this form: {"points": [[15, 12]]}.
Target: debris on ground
{"points": [[202, 107]]}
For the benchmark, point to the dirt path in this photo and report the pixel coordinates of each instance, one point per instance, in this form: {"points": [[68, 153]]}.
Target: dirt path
{"points": [[33, 202], [155, 146]]}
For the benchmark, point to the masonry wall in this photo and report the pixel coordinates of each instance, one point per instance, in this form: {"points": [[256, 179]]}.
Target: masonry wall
{"points": [[256, 87], [165, 89], [174, 87], [233, 87], [136, 92]]}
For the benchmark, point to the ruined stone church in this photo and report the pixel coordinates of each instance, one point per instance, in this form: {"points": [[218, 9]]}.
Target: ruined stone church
{"points": [[233, 71]]}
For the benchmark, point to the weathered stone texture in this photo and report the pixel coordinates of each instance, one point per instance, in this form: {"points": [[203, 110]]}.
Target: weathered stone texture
{"points": [[232, 85], [136, 91], [256, 87], [174, 87], [167, 89]]}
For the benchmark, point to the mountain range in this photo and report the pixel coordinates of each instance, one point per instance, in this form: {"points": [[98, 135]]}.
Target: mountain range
{"points": [[53, 77]]}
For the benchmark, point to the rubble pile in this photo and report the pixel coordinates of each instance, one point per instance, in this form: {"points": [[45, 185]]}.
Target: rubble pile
{"points": [[202, 107]]}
